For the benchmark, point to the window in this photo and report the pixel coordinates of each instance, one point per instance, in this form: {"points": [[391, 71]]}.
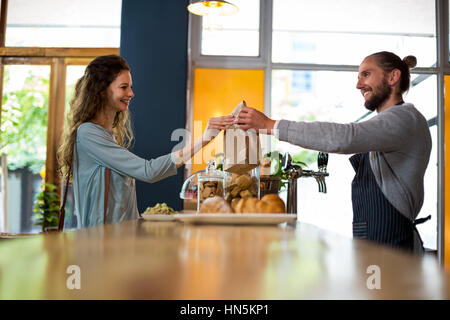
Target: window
{"points": [[63, 23], [237, 35], [341, 103], [24, 136], [343, 32]]}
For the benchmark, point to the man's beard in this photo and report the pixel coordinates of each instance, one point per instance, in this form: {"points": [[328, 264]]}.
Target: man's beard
{"points": [[383, 91]]}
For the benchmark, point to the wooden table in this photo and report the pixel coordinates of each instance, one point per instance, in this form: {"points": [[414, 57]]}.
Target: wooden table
{"points": [[170, 260]]}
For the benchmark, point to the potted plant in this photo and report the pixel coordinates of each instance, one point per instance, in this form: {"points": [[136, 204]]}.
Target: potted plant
{"points": [[47, 208]]}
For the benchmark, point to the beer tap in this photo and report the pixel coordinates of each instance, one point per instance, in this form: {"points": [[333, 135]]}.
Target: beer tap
{"points": [[292, 172]]}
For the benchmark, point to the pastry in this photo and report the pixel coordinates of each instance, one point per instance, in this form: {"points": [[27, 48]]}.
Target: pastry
{"points": [[215, 205], [244, 181], [241, 186], [276, 203], [234, 203], [245, 194], [210, 189], [270, 203], [246, 205], [264, 207]]}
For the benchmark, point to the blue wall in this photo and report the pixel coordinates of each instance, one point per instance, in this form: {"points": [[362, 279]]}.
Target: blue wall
{"points": [[154, 42]]}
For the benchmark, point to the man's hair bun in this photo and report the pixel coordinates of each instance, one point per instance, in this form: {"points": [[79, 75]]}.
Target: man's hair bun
{"points": [[410, 61]]}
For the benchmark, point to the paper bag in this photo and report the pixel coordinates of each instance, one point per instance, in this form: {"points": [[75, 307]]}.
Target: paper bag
{"points": [[242, 150]]}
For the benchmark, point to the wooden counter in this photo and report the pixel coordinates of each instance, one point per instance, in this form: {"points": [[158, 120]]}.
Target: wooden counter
{"points": [[169, 260]]}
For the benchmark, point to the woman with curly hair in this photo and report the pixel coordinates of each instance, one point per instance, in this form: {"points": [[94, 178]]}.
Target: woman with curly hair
{"points": [[94, 151]]}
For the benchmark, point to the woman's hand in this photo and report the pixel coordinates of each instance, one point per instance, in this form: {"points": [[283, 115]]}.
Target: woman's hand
{"points": [[215, 125], [213, 128], [249, 118]]}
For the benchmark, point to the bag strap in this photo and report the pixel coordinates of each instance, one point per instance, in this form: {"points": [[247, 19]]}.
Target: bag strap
{"points": [[62, 211], [105, 206]]}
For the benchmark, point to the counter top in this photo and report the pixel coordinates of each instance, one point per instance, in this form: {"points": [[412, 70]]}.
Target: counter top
{"points": [[170, 260]]}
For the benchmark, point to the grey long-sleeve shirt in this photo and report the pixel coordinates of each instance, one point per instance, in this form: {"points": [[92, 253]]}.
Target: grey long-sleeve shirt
{"points": [[399, 143], [95, 150]]}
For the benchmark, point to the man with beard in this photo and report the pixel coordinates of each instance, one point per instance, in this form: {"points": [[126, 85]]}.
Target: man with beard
{"points": [[392, 151]]}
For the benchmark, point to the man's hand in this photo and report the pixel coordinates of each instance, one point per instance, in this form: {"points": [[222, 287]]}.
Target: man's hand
{"points": [[249, 118]]}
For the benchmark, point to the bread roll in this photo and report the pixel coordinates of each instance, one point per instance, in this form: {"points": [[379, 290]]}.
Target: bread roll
{"points": [[246, 205], [215, 205], [269, 207], [264, 207], [234, 203], [270, 203], [276, 203]]}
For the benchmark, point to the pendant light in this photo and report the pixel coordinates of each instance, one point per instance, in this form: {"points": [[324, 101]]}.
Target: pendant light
{"points": [[216, 7]]}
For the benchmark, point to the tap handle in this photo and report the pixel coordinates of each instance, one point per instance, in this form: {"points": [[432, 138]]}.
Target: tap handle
{"points": [[325, 161], [322, 161], [286, 162]]}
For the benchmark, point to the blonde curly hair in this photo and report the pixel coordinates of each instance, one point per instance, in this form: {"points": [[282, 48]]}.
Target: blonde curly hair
{"points": [[90, 97]]}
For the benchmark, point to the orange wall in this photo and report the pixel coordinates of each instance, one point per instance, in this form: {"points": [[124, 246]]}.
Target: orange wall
{"points": [[216, 93], [447, 174]]}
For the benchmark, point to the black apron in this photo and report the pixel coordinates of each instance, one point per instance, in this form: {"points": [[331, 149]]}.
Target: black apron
{"points": [[374, 218]]}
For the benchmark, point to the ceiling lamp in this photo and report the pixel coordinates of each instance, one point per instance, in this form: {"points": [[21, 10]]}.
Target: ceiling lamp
{"points": [[219, 7]]}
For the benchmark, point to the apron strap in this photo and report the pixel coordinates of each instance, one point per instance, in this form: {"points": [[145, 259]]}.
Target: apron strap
{"points": [[421, 220]]}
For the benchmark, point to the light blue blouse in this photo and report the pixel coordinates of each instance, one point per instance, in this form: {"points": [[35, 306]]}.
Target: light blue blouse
{"points": [[96, 149]]}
